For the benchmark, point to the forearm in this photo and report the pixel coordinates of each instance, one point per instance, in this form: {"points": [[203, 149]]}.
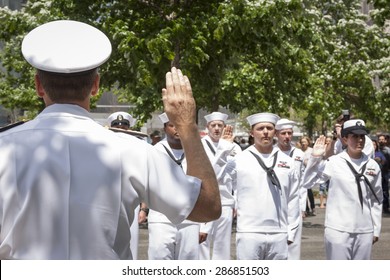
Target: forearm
{"points": [[208, 204], [310, 176], [180, 107]]}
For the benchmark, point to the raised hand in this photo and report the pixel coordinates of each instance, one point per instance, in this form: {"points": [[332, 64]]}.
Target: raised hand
{"points": [[227, 133], [319, 147], [180, 107], [179, 103]]}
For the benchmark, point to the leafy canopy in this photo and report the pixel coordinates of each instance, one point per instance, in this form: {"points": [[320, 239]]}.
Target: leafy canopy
{"points": [[311, 57]]}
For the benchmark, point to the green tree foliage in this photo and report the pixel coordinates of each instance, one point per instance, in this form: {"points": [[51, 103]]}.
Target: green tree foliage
{"points": [[348, 61], [381, 12], [315, 57]]}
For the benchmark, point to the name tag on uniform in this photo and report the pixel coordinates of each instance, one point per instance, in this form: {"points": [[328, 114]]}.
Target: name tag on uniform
{"points": [[283, 164]]}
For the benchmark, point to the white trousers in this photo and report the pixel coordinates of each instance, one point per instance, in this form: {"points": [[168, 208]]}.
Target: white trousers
{"points": [[217, 245], [170, 242], [294, 249], [341, 245], [134, 231], [261, 246]]}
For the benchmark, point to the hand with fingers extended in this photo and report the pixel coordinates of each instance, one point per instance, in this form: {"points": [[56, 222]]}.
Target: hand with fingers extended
{"points": [[179, 103], [180, 107], [227, 133], [319, 147]]}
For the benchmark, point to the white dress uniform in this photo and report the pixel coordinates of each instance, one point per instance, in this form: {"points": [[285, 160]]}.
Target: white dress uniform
{"points": [[114, 120], [70, 191], [294, 249], [168, 241], [219, 231], [350, 221], [266, 216]]}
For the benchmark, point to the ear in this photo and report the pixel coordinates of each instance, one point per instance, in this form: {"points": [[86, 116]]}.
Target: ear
{"points": [[344, 139], [95, 86], [38, 87]]}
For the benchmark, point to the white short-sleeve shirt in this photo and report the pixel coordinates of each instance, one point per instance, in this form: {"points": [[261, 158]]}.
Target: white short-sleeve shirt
{"points": [[69, 187]]}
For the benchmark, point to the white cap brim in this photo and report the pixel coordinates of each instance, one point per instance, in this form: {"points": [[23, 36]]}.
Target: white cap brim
{"points": [[262, 117], [66, 46], [284, 124], [216, 116]]}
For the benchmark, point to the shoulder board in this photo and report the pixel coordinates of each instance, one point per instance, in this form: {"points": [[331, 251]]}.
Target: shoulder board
{"points": [[9, 126]]}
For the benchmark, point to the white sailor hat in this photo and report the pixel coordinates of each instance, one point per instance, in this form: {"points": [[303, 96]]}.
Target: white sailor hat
{"points": [[163, 118], [66, 46], [216, 116], [284, 124], [121, 118], [262, 117], [355, 126]]}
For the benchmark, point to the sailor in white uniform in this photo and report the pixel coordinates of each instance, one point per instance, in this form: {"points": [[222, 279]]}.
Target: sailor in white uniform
{"points": [[266, 183], [354, 204], [215, 236], [168, 241], [122, 122], [69, 186], [284, 133]]}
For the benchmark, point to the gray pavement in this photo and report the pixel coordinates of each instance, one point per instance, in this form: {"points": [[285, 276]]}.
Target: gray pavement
{"points": [[312, 239]]}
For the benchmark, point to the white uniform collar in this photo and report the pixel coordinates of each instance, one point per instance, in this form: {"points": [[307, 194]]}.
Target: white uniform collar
{"points": [[65, 109], [208, 138], [285, 152], [345, 156], [253, 149]]}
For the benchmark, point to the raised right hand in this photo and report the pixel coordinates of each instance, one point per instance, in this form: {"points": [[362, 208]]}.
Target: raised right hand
{"points": [[179, 103], [319, 147]]}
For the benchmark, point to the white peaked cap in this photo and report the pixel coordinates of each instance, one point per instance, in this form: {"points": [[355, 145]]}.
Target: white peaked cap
{"points": [[284, 124], [216, 116], [119, 117], [66, 46], [262, 117], [163, 118], [355, 126]]}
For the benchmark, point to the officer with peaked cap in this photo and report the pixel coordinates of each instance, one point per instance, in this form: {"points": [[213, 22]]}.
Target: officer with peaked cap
{"points": [[266, 185], [337, 146], [122, 122], [215, 237], [69, 187], [354, 206], [168, 241], [284, 133]]}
